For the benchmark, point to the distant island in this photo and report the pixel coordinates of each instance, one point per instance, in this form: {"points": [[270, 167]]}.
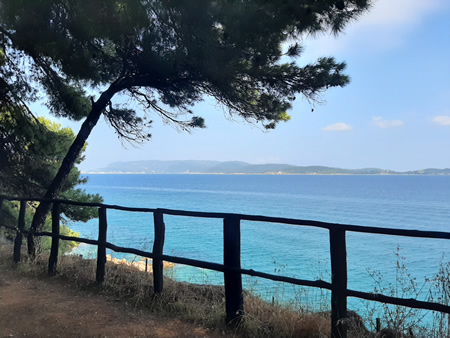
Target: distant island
{"points": [[238, 167]]}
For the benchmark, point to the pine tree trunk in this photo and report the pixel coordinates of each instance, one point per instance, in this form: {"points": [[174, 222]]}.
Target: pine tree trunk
{"points": [[75, 149]]}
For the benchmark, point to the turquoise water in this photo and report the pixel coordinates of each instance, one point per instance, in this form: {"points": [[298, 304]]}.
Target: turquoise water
{"points": [[406, 202]]}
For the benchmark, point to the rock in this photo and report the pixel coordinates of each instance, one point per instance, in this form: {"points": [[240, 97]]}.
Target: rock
{"points": [[140, 265]]}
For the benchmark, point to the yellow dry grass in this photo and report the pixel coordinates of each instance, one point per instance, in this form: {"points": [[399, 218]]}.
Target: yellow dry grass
{"points": [[201, 304]]}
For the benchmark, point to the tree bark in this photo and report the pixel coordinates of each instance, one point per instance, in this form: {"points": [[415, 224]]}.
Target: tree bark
{"points": [[74, 151]]}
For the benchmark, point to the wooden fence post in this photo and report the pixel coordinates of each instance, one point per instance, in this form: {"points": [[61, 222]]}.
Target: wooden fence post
{"points": [[234, 301], [158, 246], [101, 249], [53, 260], [19, 235], [338, 253], [1, 206]]}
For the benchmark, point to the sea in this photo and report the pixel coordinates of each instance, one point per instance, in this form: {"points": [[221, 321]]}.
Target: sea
{"points": [[375, 262]]}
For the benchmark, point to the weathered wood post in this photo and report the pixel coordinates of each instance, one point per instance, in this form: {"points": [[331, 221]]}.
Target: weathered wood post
{"points": [[338, 253], [53, 260], [19, 235], [158, 246], [234, 301], [1, 206], [101, 249]]}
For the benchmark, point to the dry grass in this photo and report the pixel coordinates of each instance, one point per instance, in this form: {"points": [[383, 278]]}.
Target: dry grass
{"points": [[205, 304], [268, 320], [201, 304]]}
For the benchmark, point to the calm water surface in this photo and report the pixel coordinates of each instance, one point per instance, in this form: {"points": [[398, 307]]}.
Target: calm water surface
{"points": [[406, 202]]}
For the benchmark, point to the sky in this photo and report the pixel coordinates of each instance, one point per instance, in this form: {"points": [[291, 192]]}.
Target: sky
{"points": [[395, 113]]}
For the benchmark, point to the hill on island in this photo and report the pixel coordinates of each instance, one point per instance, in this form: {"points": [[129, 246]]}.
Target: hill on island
{"points": [[238, 167]]}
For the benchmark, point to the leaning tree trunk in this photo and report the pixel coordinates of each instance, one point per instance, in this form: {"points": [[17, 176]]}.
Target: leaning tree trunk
{"points": [[74, 151]]}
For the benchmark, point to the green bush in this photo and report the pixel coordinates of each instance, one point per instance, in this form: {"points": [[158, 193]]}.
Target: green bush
{"points": [[9, 216]]}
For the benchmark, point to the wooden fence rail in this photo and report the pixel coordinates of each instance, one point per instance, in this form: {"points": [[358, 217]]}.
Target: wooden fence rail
{"points": [[231, 266]]}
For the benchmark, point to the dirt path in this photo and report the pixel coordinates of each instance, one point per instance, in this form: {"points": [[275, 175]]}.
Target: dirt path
{"points": [[46, 308]]}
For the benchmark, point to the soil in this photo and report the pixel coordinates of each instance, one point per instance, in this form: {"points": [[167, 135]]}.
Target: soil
{"points": [[33, 307]]}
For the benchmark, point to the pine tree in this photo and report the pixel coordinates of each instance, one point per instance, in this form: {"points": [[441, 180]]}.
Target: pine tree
{"points": [[166, 56], [31, 152]]}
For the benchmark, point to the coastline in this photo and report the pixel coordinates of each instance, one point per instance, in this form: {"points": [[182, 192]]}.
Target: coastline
{"points": [[262, 174], [206, 167]]}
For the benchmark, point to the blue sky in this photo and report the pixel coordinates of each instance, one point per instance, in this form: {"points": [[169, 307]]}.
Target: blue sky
{"points": [[395, 113]]}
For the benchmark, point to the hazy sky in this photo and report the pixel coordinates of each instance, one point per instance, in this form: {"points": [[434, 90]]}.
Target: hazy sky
{"points": [[395, 113]]}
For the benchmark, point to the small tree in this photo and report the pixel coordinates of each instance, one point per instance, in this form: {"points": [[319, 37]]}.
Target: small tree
{"points": [[31, 152], [166, 56]]}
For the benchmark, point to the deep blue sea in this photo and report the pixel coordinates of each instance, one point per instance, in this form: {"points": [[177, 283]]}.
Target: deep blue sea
{"points": [[406, 202]]}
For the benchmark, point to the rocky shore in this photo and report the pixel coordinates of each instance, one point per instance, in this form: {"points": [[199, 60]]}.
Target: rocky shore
{"points": [[145, 264]]}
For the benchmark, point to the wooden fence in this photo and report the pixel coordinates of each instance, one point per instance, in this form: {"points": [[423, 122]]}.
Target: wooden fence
{"points": [[231, 266]]}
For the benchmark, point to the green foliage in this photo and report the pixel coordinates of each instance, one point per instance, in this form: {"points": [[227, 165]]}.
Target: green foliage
{"points": [[64, 246], [10, 215], [80, 213], [33, 150], [167, 55]]}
